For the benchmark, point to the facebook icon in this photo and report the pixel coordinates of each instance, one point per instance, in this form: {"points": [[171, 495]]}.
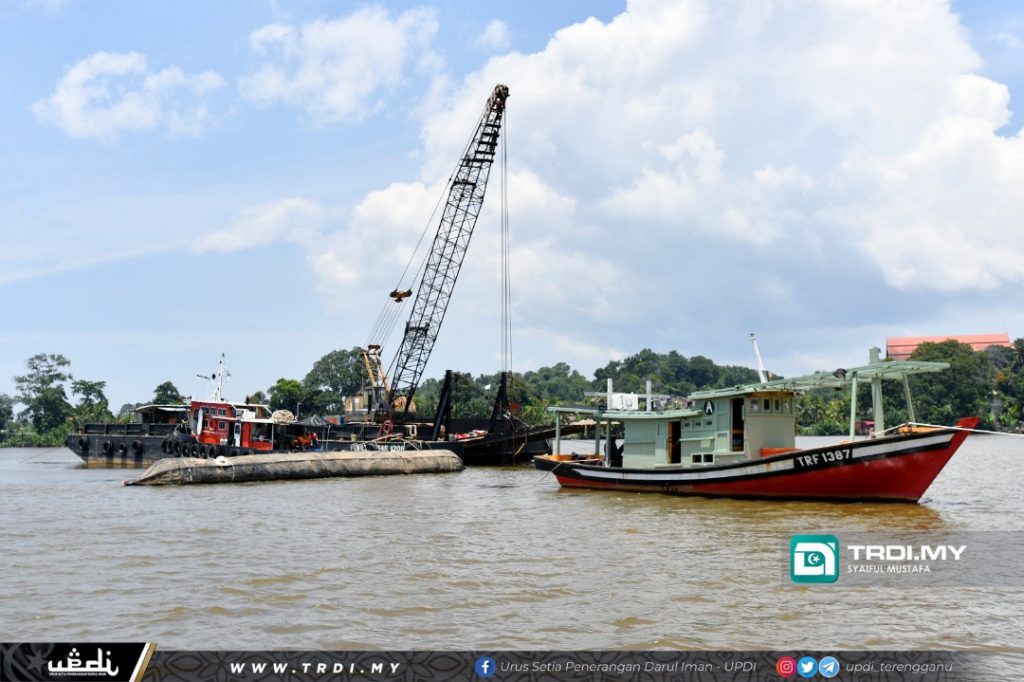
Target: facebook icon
{"points": [[485, 666]]}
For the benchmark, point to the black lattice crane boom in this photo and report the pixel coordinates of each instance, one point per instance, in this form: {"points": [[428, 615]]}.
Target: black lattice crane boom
{"points": [[465, 199]]}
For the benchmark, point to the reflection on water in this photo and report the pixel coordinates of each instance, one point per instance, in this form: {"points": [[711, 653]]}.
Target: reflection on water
{"points": [[483, 559]]}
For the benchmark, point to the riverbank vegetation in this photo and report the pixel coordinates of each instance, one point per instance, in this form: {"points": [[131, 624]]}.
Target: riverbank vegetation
{"points": [[50, 402]]}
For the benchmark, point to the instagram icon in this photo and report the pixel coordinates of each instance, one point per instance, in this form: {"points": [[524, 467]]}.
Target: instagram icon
{"points": [[786, 666]]}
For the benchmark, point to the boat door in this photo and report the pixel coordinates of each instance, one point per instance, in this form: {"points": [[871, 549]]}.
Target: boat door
{"points": [[674, 446], [737, 424], [238, 434]]}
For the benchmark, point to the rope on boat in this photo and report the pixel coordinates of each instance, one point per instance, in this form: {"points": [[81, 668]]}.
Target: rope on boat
{"points": [[950, 428], [551, 471], [44, 452]]}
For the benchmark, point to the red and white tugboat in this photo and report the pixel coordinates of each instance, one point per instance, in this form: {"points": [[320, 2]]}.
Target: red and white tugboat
{"points": [[740, 442]]}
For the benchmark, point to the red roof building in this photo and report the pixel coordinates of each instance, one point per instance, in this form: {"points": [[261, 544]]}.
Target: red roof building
{"points": [[900, 348]]}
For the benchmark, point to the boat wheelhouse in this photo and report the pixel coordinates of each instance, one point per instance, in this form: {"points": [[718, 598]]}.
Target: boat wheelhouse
{"points": [[234, 426], [741, 442]]}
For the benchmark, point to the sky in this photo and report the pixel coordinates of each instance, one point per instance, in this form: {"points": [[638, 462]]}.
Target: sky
{"points": [[186, 179]]}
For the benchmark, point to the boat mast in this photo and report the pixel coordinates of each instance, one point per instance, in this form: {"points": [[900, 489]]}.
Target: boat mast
{"points": [[219, 377], [761, 372]]}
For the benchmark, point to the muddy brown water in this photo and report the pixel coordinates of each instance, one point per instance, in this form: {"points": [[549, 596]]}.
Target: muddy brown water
{"points": [[486, 559]]}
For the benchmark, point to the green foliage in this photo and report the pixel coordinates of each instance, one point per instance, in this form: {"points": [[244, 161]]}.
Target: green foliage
{"points": [[92, 405], [670, 373], [333, 377], [558, 383], [824, 412], [167, 394], [6, 416], [43, 393], [287, 394], [965, 389]]}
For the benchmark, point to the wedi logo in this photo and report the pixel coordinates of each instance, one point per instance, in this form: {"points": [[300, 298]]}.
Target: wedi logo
{"points": [[814, 558]]}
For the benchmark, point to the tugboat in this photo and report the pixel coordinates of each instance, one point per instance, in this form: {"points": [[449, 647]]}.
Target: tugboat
{"points": [[740, 442], [220, 428]]}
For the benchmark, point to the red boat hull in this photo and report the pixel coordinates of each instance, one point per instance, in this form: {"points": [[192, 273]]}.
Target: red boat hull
{"points": [[897, 468]]}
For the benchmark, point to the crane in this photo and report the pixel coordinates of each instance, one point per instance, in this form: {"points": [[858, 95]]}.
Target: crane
{"points": [[465, 198]]}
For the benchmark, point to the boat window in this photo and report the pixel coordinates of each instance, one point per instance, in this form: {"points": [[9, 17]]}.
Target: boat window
{"points": [[695, 459], [221, 412], [755, 406], [708, 422], [766, 404], [709, 458], [220, 425], [778, 406]]}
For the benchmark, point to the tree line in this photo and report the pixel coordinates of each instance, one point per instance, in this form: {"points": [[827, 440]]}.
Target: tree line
{"points": [[988, 383]]}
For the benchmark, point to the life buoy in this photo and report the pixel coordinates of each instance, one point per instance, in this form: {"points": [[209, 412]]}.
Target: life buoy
{"points": [[108, 447], [122, 449], [194, 450], [137, 447]]}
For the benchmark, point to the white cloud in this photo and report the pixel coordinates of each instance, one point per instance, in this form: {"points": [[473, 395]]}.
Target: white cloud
{"points": [[295, 220], [107, 93], [693, 170], [860, 127], [1009, 40], [494, 36], [340, 69]]}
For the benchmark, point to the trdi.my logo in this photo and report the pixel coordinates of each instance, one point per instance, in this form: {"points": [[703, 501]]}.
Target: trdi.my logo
{"points": [[814, 558]]}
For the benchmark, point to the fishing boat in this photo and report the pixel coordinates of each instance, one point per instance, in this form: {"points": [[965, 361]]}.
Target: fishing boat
{"points": [[741, 442]]}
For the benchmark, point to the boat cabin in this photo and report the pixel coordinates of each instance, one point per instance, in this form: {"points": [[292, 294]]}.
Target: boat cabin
{"points": [[237, 425], [734, 424]]}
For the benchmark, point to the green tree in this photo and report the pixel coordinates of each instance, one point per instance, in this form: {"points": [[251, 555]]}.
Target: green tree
{"points": [[287, 394], [92, 405], [258, 398], [963, 390], [558, 383], [43, 393], [6, 415], [333, 377], [167, 394]]}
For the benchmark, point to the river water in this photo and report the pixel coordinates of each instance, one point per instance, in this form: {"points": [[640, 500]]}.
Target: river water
{"points": [[485, 559]]}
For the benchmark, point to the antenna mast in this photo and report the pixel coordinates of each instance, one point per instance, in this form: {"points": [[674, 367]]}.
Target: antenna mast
{"points": [[761, 372]]}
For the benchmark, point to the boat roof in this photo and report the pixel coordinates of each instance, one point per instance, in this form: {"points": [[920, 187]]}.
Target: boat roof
{"points": [[624, 414], [164, 408], [889, 369]]}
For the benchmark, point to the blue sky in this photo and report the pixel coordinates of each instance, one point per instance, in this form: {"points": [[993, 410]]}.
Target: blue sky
{"points": [[186, 179]]}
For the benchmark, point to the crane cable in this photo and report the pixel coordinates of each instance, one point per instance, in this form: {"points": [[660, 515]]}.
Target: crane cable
{"points": [[506, 274], [391, 310]]}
